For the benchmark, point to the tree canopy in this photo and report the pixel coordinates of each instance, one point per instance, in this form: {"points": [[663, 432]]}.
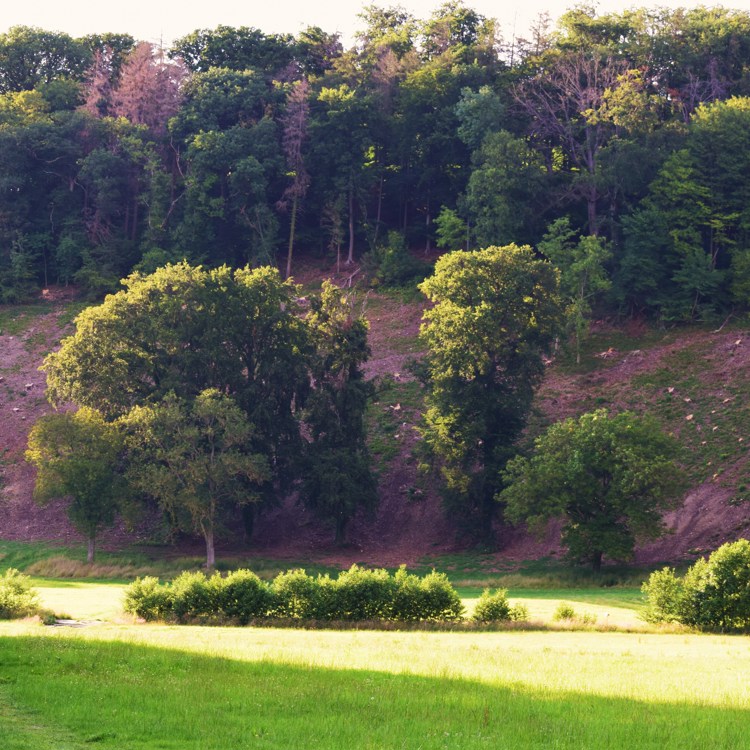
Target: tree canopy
{"points": [[609, 478], [78, 457], [495, 312]]}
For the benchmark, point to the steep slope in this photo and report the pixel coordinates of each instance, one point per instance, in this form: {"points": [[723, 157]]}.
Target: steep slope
{"points": [[696, 382]]}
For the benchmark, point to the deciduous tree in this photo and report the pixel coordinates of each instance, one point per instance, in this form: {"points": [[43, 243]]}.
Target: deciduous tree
{"points": [[495, 312], [608, 477], [338, 479], [192, 457], [77, 457]]}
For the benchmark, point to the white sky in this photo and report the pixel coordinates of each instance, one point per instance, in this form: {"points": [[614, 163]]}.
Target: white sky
{"points": [[152, 20]]}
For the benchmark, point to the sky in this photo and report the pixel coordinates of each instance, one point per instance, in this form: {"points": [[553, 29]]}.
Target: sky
{"points": [[165, 20]]}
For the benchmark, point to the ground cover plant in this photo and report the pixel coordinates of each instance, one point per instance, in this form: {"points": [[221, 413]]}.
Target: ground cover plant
{"points": [[338, 689]]}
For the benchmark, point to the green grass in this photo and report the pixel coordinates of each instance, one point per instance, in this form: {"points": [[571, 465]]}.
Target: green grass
{"points": [[48, 561], [395, 404], [164, 687], [15, 319]]}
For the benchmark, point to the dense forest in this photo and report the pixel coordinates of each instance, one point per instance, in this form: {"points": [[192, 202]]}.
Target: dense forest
{"points": [[618, 142]]}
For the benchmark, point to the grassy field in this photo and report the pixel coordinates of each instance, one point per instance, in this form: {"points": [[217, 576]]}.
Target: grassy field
{"points": [[125, 686], [139, 687]]}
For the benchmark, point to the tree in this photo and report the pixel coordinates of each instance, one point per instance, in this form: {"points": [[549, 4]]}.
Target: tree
{"points": [[77, 456], [693, 226], [240, 48], [31, 56], [338, 479], [191, 456], [582, 274], [183, 330], [714, 593], [608, 477], [495, 312], [506, 191], [148, 91], [295, 124], [567, 109]]}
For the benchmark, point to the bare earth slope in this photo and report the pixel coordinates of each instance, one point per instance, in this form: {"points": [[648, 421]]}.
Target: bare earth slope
{"points": [[696, 382]]}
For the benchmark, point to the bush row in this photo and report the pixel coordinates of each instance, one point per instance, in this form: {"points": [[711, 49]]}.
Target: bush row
{"points": [[357, 594], [714, 594]]}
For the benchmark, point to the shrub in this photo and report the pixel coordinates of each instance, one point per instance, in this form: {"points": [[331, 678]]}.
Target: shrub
{"points": [[519, 613], [17, 598], [392, 265], [149, 599], [492, 607], [564, 611], [297, 595], [243, 596], [195, 596], [717, 591], [440, 600], [714, 594], [361, 594], [429, 598], [664, 594]]}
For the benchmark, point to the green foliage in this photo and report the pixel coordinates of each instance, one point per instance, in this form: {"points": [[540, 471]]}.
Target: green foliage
{"points": [[608, 478], [564, 611], [355, 595], [193, 458], [429, 598], [583, 276], [17, 598], [337, 478], [362, 594], [195, 596], [492, 607], [77, 456], [185, 330], [494, 314], [244, 597], [714, 594], [147, 598], [505, 190], [664, 592], [296, 595], [450, 229], [392, 265]]}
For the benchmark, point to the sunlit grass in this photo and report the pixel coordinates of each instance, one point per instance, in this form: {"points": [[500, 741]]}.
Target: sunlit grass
{"points": [[183, 687]]}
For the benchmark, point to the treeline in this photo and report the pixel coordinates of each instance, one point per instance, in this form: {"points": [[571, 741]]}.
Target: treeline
{"points": [[235, 146]]}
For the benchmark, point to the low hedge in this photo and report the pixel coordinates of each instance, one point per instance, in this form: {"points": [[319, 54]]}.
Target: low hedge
{"points": [[355, 595]]}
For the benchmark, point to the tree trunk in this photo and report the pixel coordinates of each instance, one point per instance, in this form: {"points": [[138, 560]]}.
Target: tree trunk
{"points": [[592, 215], [427, 242], [292, 227], [248, 520], [340, 530], [380, 210], [91, 549], [210, 552], [596, 561], [350, 257]]}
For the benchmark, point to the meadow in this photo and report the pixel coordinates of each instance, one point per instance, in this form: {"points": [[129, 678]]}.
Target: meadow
{"points": [[115, 684]]}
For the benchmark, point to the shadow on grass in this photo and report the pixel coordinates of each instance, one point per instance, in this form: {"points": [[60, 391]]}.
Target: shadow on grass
{"points": [[121, 695]]}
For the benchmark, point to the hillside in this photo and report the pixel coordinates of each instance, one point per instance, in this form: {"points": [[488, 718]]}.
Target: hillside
{"points": [[697, 382]]}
